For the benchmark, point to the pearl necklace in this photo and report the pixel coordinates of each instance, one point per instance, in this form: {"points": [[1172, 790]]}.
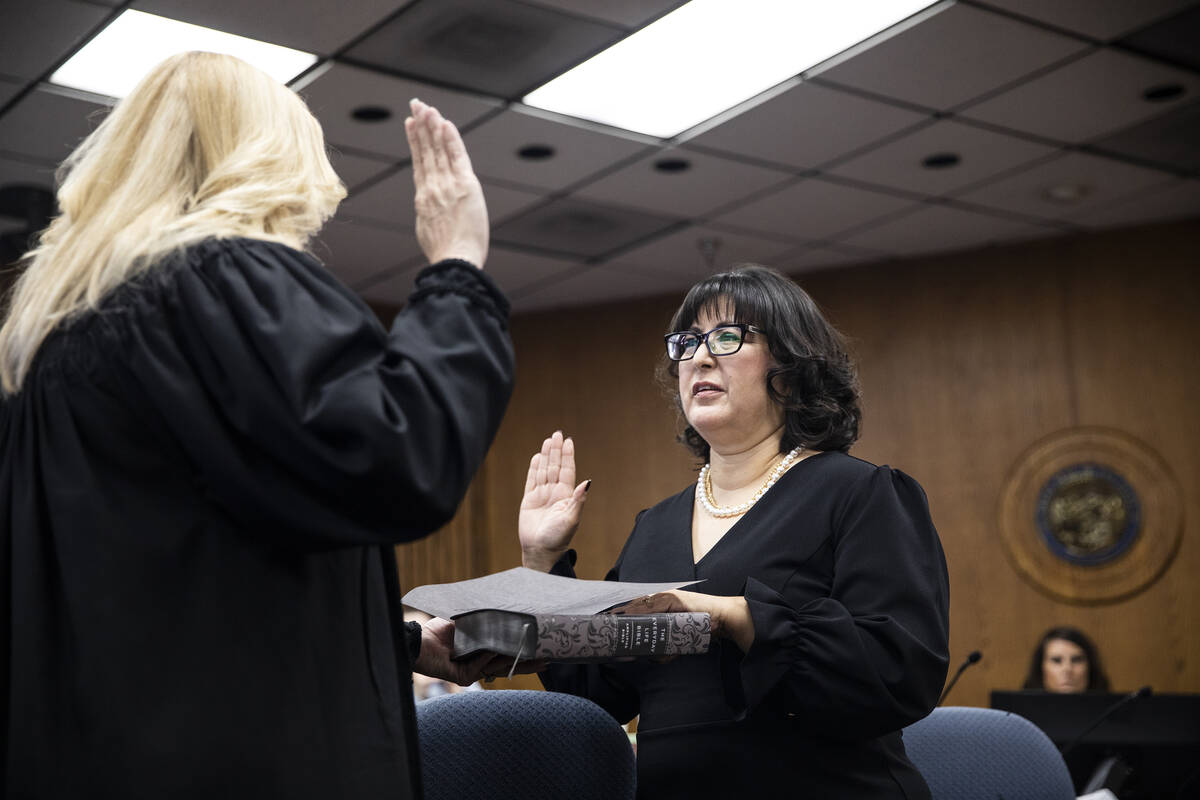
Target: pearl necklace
{"points": [[704, 488]]}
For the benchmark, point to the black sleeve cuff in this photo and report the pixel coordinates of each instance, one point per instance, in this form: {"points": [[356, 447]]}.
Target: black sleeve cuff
{"points": [[565, 566], [462, 278], [412, 640]]}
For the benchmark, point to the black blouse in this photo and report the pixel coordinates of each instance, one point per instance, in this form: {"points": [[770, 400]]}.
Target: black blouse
{"points": [[847, 586], [200, 486]]}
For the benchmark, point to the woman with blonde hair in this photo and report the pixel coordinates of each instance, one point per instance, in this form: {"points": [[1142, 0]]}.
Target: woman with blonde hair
{"points": [[210, 446]]}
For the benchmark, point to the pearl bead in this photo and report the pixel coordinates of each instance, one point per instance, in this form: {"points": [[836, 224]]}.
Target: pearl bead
{"points": [[703, 490]]}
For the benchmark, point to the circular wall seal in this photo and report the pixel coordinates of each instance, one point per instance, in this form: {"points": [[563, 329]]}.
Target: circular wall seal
{"points": [[1091, 515]]}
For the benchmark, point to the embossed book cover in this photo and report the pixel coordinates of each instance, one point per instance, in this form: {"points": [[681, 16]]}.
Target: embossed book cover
{"points": [[581, 637], [528, 614]]}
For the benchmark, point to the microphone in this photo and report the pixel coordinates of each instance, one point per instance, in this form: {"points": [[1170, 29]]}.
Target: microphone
{"points": [[1145, 691], [972, 658]]}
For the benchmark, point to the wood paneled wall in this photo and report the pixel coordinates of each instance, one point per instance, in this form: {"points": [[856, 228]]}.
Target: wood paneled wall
{"points": [[965, 360]]}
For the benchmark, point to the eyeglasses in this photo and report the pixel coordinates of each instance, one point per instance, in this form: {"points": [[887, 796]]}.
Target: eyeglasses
{"points": [[724, 340]]}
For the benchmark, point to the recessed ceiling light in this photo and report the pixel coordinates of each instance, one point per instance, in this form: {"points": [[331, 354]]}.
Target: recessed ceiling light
{"points": [[116, 58], [709, 55], [372, 113], [536, 152], [672, 165], [941, 161], [1163, 92], [1066, 194]]}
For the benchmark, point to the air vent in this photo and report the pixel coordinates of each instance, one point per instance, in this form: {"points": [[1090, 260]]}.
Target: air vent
{"points": [[579, 229], [495, 47]]}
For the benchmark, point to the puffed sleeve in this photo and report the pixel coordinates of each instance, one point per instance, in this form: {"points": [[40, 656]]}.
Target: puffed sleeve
{"points": [[305, 419], [871, 657]]}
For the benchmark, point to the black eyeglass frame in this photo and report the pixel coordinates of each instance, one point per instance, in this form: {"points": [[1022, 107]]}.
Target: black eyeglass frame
{"points": [[702, 338]]}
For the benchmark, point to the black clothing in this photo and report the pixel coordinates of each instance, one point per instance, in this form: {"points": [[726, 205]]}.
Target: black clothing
{"points": [[847, 586], [200, 486]]}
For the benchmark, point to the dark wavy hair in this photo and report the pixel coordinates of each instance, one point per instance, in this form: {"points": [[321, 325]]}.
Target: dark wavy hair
{"points": [[1097, 679], [814, 379]]}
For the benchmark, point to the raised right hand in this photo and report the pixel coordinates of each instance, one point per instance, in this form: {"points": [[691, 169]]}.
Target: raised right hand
{"points": [[452, 219], [552, 504]]}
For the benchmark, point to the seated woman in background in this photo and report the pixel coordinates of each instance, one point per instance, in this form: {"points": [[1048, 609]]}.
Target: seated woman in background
{"points": [[1066, 661], [822, 573]]}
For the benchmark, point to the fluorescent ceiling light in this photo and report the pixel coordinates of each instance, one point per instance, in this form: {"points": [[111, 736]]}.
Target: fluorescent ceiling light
{"points": [[119, 56], [709, 55]]}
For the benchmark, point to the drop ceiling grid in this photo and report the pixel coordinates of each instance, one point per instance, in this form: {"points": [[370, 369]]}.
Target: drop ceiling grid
{"points": [[705, 183], [954, 57], [36, 37], [1103, 20], [314, 26], [1102, 179], [683, 253], [340, 89], [579, 152], [1086, 99], [48, 125], [389, 202], [863, 122]]}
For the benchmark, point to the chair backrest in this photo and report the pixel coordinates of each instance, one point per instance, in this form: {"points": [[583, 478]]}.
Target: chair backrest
{"points": [[984, 753], [502, 744]]}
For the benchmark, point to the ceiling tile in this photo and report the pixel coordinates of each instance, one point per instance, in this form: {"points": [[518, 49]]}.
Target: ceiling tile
{"points": [[981, 154], [48, 125], [626, 13], [1101, 180], [9, 90], [14, 172], [578, 151], [1170, 140], [391, 289], [700, 250], [514, 270], [390, 202], [953, 57], [813, 209], [335, 93], [1173, 39], [353, 170], [356, 252], [807, 126], [936, 228], [812, 259], [1176, 199], [707, 183], [494, 47], [572, 228], [1099, 19], [1098, 94], [598, 284], [315, 26], [37, 33]]}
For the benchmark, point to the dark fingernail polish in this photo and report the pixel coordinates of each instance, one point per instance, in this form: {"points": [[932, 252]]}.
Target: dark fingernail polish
{"points": [[587, 487]]}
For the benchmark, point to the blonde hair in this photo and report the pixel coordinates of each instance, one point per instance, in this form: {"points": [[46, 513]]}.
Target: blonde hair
{"points": [[206, 146]]}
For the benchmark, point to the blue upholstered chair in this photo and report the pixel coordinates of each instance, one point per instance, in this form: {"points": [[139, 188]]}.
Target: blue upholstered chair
{"points": [[520, 744], [984, 753]]}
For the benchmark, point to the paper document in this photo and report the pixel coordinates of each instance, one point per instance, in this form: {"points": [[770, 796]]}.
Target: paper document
{"points": [[530, 592]]}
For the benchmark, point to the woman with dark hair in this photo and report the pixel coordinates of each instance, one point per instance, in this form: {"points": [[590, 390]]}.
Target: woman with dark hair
{"points": [[822, 573], [1066, 661]]}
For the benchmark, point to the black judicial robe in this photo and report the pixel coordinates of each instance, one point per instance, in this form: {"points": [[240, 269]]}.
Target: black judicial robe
{"points": [[847, 586], [200, 486]]}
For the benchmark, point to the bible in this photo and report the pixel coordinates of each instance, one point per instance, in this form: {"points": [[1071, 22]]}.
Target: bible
{"points": [[581, 637], [529, 615]]}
